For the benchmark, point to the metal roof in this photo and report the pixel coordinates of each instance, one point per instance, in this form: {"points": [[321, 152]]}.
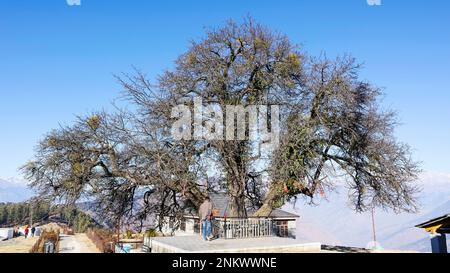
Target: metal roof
{"points": [[434, 221]]}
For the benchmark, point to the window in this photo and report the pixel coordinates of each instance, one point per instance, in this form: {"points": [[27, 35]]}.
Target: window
{"points": [[282, 228], [183, 224]]}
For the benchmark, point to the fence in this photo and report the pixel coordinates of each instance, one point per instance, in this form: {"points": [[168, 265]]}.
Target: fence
{"points": [[244, 228], [147, 244]]}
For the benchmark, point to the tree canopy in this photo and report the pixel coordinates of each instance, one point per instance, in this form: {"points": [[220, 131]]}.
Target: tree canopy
{"points": [[331, 128]]}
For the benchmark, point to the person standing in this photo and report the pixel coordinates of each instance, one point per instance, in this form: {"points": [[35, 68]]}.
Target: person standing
{"points": [[26, 231], [33, 230], [205, 214]]}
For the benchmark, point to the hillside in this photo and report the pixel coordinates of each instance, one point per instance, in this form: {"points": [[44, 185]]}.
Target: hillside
{"points": [[18, 214], [334, 222]]}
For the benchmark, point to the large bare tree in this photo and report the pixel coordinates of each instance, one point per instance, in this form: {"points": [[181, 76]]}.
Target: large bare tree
{"points": [[331, 126]]}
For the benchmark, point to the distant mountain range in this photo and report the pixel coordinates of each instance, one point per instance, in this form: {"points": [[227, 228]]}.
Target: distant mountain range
{"points": [[14, 190], [334, 222]]}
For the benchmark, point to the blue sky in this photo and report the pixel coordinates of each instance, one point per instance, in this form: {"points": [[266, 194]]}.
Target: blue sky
{"points": [[57, 61]]}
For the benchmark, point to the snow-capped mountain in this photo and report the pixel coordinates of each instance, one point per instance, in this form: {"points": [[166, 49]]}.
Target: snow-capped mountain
{"points": [[334, 222], [14, 190]]}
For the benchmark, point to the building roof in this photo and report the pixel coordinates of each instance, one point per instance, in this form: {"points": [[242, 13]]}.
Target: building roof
{"points": [[222, 205], [278, 213], [440, 224], [434, 221]]}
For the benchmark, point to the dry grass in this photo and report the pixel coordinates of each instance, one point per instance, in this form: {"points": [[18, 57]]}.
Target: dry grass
{"points": [[17, 245], [47, 235]]}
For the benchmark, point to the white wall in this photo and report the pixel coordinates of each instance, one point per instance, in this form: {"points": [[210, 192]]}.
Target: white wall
{"points": [[190, 223], [6, 233], [292, 228]]}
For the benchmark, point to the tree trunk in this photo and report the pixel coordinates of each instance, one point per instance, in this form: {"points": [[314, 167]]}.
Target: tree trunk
{"points": [[275, 193], [267, 207], [236, 165], [196, 197], [237, 206], [236, 190]]}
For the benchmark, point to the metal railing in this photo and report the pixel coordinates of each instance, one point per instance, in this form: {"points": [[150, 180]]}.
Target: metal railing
{"points": [[244, 228]]}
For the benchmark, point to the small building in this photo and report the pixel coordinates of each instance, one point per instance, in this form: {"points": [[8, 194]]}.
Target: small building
{"points": [[438, 228], [279, 223]]}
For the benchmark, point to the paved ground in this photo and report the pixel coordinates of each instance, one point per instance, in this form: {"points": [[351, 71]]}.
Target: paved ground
{"points": [[343, 249], [78, 243], [255, 245]]}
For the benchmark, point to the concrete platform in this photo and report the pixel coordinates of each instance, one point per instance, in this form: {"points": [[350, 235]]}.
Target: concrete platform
{"points": [[194, 244]]}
